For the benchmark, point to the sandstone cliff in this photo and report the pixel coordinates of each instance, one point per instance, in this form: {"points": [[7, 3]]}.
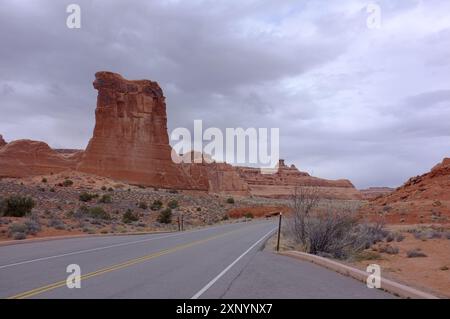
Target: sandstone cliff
{"points": [[422, 199], [23, 158], [130, 140]]}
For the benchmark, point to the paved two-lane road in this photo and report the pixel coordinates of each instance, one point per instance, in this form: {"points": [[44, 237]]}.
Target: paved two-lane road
{"points": [[217, 262]]}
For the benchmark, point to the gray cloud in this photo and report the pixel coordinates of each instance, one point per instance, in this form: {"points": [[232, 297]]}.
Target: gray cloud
{"points": [[350, 102]]}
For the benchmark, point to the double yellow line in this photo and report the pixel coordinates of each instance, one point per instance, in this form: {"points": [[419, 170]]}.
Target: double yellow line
{"points": [[125, 264]]}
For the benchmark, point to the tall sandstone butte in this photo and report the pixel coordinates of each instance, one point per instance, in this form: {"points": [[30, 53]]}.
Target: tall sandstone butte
{"points": [[130, 140]]}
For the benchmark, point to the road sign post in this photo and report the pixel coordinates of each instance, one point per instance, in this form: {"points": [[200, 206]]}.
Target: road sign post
{"points": [[279, 232]]}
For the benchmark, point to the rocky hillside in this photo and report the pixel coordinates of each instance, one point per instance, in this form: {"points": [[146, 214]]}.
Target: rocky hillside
{"points": [[422, 199]]}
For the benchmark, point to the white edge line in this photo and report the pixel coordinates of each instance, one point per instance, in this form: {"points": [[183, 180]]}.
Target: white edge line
{"points": [[212, 282], [104, 247]]}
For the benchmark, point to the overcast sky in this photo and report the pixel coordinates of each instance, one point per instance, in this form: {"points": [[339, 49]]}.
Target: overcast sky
{"points": [[368, 104]]}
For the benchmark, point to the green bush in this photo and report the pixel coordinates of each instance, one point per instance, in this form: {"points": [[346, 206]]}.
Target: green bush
{"points": [[165, 216], [143, 205], [98, 213], [16, 206], [129, 217], [105, 199], [230, 200], [173, 204], [86, 197], [156, 205], [67, 183], [248, 215]]}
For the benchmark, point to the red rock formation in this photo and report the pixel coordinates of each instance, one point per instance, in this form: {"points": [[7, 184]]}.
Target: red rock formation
{"points": [[374, 192], [218, 178], [422, 199], [282, 183], [23, 158], [2, 141], [130, 141]]}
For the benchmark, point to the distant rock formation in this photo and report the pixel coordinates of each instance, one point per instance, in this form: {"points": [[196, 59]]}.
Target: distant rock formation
{"points": [[130, 141], [2, 141], [23, 158], [422, 199], [374, 192], [282, 183]]}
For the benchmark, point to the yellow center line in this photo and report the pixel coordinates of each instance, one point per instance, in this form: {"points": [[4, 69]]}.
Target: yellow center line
{"points": [[122, 265]]}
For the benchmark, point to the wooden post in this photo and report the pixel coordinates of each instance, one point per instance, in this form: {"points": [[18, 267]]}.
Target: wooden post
{"points": [[279, 232]]}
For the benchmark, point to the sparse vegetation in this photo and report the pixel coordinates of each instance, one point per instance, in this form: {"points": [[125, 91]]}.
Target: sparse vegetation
{"points": [[44, 180], [230, 200], [105, 199], [248, 215], [129, 217], [98, 212], [173, 204], [415, 253], [165, 216], [142, 205], [156, 205], [330, 230], [16, 206], [67, 183], [87, 197]]}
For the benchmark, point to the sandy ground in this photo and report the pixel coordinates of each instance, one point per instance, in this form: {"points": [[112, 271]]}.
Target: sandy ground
{"points": [[430, 273]]}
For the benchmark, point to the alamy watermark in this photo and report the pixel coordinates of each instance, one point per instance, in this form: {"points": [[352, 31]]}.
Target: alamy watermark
{"points": [[252, 146], [74, 279], [73, 20], [374, 279]]}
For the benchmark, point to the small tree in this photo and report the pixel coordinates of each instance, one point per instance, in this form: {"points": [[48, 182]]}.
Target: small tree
{"points": [[303, 201]]}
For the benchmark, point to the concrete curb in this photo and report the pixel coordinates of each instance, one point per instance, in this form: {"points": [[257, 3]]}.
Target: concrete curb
{"points": [[42, 239], [386, 284]]}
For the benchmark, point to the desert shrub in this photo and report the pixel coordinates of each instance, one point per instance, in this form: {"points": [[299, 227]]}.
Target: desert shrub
{"points": [[230, 200], [199, 209], [248, 215], [103, 188], [165, 216], [98, 212], [33, 226], [16, 206], [156, 205], [52, 190], [225, 217], [390, 237], [129, 217], [56, 223], [143, 205], [388, 249], [19, 236], [172, 204], [44, 180], [86, 197], [105, 199], [415, 253], [110, 189], [367, 255], [332, 230], [399, 237], [17, 228], [67, 183]]}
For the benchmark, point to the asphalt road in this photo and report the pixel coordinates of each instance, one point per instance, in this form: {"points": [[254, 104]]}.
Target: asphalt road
{"points": [[217, 262]]}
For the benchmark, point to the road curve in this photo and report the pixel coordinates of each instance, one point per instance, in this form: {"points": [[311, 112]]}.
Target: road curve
{"points": [[217, 262]]}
